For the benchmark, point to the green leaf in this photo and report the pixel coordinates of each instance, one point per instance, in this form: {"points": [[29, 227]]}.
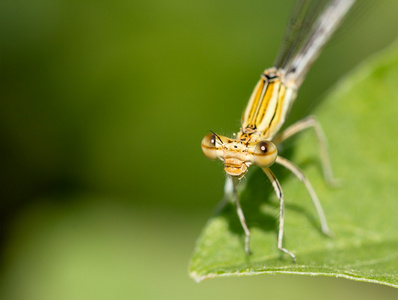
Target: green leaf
{"points": [[360, 119]]}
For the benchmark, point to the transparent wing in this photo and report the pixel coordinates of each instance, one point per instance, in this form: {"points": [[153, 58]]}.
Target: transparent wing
{"points": [[298, 30], [311, 25]]}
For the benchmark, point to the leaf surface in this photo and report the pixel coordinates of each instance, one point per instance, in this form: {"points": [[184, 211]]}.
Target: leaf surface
{"points": [[360, 119]]}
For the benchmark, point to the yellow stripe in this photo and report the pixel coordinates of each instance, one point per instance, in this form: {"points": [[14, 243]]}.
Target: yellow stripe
{"points": [[277, 119], [252, 107], [268, 108]]}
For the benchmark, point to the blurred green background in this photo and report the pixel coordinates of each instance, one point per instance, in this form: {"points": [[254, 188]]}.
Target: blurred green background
{"points": [[103, 105]]}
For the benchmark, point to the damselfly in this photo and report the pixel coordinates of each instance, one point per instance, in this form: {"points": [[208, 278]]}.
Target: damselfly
{"points": [[312, 23]]}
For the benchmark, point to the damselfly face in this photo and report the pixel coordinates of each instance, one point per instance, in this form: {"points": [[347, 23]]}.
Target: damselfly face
{"points": [[239, 154]]}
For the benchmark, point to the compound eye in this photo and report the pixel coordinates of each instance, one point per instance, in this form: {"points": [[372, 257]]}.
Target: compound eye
{"points": [[262, 148], [264, 154], [209, 147]]}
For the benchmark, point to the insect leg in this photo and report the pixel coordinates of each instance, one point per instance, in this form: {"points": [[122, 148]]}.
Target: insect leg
{"points": [[279, 194], [300, 175], [303, 124], [241, 216]]}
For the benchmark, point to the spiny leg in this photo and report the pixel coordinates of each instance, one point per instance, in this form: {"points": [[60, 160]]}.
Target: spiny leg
{"points": [[300, 175], [241, 216], [279, 194], [303, 124]]}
